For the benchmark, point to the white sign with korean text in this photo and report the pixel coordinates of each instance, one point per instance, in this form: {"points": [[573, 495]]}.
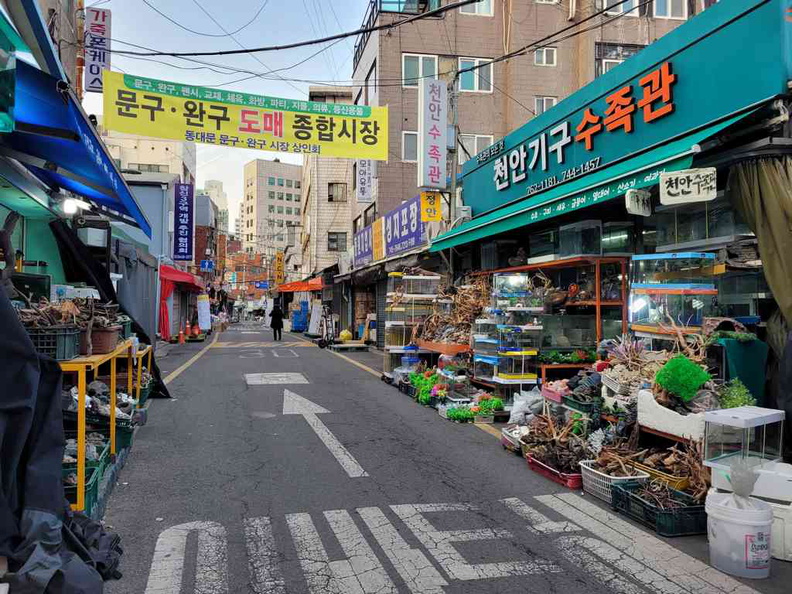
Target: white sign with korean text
{"points": [[97, 47], [688, 185], [432, 134], [364, 179], [638, 202]]}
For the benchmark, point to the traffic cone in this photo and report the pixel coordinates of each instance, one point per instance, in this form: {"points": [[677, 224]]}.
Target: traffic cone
{"points": [[181, 336], [187, 328], [196, 330]]}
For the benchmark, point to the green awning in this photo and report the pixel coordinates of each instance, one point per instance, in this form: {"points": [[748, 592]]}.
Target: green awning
{"points": [[609, 183]]}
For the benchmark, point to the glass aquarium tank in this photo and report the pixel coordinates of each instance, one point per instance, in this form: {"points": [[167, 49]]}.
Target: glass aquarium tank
{"points": [[569, 331], [421, 285], [486, 346], [487, 325], [515, 292], [516, 366], [580, 239], [397, 335], [484, 366], [519, 338], [395, 282], [656, 309], [691, 269], [618, 239], [543, 246], [515, 283]]}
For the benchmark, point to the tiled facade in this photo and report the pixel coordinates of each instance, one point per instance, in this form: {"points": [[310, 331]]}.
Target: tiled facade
{"points": [[518, 86]]}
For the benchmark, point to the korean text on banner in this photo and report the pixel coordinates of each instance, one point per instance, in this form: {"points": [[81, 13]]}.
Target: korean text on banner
{"points": [[280, 276], [137, 105], [403, 228], [688, 185], [183, 228], [432, 133], [364, 177], [364, 246], [204, 313], [431, 207], [97, 47], [378, 240]]}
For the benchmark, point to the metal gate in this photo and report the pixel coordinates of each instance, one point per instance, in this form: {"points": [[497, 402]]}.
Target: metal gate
{"points": [[382, 292]]}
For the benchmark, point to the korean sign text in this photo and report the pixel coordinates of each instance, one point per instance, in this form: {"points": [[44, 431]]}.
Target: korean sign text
{"points": [[432, 134], [403, 229], [183, 223], [97, 47]]}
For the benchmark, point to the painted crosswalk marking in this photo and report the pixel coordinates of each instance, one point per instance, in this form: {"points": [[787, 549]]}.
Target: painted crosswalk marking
{"points": [[262, 345], [612, 552]]}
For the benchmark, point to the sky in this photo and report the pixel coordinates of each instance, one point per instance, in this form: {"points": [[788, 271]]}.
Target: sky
{"points": [[280, 21]]}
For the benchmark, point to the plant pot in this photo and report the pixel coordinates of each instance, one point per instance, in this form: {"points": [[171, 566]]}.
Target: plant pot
{"points": [[103, 341]]}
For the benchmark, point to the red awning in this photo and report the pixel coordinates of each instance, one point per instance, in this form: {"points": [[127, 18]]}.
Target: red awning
{"points": [[315, 284], [179, 276]]}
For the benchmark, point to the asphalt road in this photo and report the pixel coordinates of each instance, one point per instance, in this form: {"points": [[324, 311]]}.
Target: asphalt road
{"points": [[359, 490]]}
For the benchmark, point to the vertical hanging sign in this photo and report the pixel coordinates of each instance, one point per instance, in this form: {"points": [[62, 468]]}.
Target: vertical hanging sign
{"points": [[97, 47], [364, 179], [280, 272], [183, 229], [432, 134]]}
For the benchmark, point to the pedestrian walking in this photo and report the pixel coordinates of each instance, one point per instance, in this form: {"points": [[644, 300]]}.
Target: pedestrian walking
{"points": [[277, 322]]}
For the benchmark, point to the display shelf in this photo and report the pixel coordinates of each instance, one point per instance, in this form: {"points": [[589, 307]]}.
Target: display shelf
{"points": [[513, 382], [486, 382], [402, 350], [443, 348], [527, 309], [592, 303]]}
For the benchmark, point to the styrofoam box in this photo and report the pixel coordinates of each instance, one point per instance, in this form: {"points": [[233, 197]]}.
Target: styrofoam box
{"points": [[658, 417]]}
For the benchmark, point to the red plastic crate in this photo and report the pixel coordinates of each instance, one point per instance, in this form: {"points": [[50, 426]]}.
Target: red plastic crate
{"points": [[553, 395], [572, 481]]}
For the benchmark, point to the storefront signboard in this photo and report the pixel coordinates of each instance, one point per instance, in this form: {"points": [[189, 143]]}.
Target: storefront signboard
{"points": [[638, 202], [431, 207], [183, 223], [97, 47], [403, 228], [162, 109], [688, 185], [378, 239], [364, 246], [204, 313], [364, 172], [280, 275], [690, 78], [432, 133]]}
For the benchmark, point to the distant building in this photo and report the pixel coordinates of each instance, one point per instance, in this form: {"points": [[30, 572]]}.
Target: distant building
{"points": [[214, 189], [271, 202], [152, 155]]}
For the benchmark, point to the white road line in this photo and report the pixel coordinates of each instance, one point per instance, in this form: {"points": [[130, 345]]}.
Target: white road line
{"points": [[167, 566], [651, 553], [590, 553], [415, 569], [264, 379], [318, 571], [537, 522], [294, 404], [263, 557], [440, 545], [284, 354]]}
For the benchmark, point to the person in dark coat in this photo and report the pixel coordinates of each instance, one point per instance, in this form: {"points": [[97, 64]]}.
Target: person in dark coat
{"points": [[277, 322]]}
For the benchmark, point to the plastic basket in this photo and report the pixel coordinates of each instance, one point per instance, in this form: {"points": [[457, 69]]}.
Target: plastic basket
{"points": [[614, 385], [103, 340], [584, 407], [91, 488], [679, 483], [145, 392], [552, 395], [126, 329], [683, 521], [597, 483], [57, 342], [571, 480]]}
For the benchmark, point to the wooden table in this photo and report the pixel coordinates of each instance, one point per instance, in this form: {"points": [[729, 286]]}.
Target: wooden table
{"points": [[81, 366]]}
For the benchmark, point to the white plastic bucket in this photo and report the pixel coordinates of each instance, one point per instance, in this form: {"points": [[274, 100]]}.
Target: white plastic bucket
{"points": [[739, 536]]}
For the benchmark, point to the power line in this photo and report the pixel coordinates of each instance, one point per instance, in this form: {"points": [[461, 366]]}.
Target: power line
{"points": [[194, 32], [394, 25]]}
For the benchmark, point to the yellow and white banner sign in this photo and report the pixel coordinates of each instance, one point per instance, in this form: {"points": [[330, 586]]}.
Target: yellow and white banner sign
{"points": [[149, 107], [431, 207]]}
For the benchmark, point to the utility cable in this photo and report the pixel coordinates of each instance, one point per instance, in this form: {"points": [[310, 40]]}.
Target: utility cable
{"points": [[194, 32]]}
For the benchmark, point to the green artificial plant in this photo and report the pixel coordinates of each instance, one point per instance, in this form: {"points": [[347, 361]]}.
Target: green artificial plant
{"points": [[735, 394], [682, 377]]}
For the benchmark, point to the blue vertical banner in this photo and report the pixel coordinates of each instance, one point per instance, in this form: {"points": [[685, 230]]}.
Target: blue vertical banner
{"points": [[183, 224], [364, 246], [403, 228]]}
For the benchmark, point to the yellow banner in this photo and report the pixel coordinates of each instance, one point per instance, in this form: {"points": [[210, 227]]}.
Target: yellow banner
{"points": [[431, 206], [377, 240], [279, 269], [149, 107]]}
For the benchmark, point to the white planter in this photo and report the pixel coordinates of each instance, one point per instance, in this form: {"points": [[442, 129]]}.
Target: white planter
{"points": [[658, 417]]}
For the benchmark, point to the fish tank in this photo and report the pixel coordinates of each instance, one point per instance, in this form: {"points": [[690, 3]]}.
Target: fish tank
{"points": [[409, 311], [484, 366], [487, 327], [395, 313], [569, 331], [421, 284], [580, 239], [689, 269], [486, 346], [516, 367], [515, 292], [395, 282], [618, 238], [530, 316], [397, 335], [754, 436], [515, 283], [659, 310], [543, 246], [519, 338]]}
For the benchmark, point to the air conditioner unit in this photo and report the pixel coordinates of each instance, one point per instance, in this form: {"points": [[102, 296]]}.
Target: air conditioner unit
{"points": [[464, 213]]}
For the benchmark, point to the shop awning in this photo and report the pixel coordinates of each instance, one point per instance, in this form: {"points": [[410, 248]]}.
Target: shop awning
{"points": [[633, 173], [315, 284], [179, 276], [57, 143]]}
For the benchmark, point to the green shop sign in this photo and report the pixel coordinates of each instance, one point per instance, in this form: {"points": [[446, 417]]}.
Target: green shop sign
{"points": [[730, 57]]}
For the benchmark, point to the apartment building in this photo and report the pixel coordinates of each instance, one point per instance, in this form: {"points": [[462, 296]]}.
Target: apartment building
{"points": [[152, 155], [272, 203], [499, 97], [328, 200], [214, 189]]}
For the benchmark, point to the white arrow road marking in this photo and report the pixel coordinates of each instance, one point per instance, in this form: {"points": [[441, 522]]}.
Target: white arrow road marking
{"points": [[360, 573], [263, 557], [294, 404], [285, 354], [167, 567], [264, 379]]}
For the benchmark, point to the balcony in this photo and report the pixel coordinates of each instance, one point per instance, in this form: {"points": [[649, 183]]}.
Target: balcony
{"points": [[377, 7]]}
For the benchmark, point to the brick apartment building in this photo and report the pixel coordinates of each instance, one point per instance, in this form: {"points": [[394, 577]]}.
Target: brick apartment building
{"points": [[500, 97]]}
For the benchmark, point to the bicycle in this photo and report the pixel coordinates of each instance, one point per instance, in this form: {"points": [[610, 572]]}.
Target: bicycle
{"points": [[326, 328]]}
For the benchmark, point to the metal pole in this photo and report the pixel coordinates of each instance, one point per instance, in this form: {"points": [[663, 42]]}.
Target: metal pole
{"points": [[452, 98]]}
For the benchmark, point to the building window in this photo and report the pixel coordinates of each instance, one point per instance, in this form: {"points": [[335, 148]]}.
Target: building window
{"points": [[545, 56], [705, 4], [297, 184], [280, 210], [478, 80], [336, 242], [271, 208], [271, 195], [288, 210], [289, 183], [628, 8], [271, 181], [369, 215], [472, 145], [336, 192], [542, 104], [280, 195], [297, 211], [417, 66], [280, 181], [279, 237], [370, 84], [609, 55], [410, 147], [289, 197], [149, 167], [280, 223], [480, 8], [670, 9]]}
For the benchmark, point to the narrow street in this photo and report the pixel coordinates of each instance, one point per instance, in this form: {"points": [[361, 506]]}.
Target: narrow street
{"points": [[327, 480]]}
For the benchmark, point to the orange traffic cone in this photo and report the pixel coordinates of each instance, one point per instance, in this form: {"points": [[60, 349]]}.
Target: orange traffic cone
{"points": [[181, 336], [196, 330], [187, 328]]}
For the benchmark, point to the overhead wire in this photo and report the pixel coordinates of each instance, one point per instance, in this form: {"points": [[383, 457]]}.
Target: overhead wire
{"points": [[194, 32]]}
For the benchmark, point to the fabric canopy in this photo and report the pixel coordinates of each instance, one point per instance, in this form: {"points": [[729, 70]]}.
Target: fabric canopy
{"points": [[179, 276], [57, 143], [638, 171], [315, 284]]}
